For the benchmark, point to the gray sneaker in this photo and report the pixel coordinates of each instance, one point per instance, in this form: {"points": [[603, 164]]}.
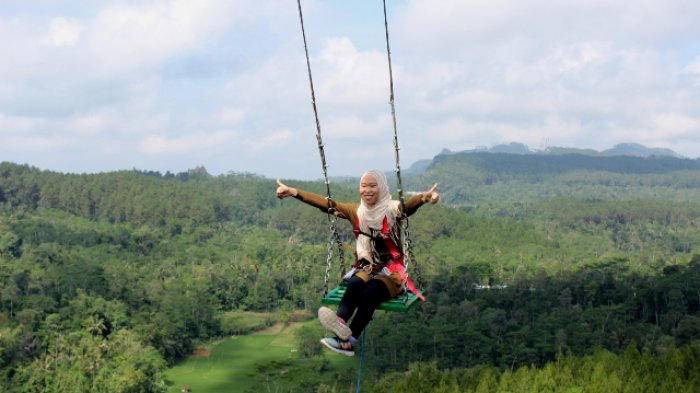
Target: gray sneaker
{"points": [[336, 345], [330, 321]]}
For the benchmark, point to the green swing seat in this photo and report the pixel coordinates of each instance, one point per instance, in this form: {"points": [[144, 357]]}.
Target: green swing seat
{"points": [[401, 303]]}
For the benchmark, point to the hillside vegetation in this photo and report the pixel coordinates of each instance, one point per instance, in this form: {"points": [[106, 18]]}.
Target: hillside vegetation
{"points": [[109, 278], [488, 181]]}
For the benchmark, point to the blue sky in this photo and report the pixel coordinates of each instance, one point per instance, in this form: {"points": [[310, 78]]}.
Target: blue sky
{"points": [[88, 86]]}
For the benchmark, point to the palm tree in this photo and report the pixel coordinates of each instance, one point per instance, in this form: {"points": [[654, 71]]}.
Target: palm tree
{"points": [[95, 325]]}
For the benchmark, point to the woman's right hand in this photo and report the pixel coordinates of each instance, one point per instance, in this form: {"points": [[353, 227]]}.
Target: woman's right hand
{"points": [[283, 191]]}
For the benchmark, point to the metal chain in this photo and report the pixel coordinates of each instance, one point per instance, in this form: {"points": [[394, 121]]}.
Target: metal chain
{"points": [[334, 236], [341, 254], [406, 238], [333, 239], [329, 258]]}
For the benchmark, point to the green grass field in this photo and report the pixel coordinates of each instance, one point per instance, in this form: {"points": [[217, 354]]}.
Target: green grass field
{"points": [[231, 364]]}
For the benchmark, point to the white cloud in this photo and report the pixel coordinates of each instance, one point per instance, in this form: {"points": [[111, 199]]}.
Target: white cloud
{"points": [[575, 58], [272, 139], [194, 142], [693, 69], [275, 82], [88, 124], [346, 80], [144, 34], [478, 100], [354, 127], [63, 32], [694, 66], [352, 77], [133, 35], [670, 125], [20, 39], [458, 25], [231, 116], [35, 143], [15, 124]]}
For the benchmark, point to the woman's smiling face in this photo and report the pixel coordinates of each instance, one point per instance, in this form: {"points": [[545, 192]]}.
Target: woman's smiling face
{"points": [[369, 190]]}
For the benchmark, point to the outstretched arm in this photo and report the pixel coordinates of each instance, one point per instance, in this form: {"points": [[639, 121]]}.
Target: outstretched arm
{"points": [[413, 203], [315, 200]]}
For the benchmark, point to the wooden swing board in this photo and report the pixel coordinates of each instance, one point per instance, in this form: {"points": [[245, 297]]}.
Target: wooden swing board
{"points": [[401, 303]]}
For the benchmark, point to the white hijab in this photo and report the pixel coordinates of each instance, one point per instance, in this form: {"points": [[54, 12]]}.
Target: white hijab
{"points": [[372, 217]]}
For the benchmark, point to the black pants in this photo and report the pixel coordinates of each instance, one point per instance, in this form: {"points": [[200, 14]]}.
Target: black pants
{"points": [[365, 297]]}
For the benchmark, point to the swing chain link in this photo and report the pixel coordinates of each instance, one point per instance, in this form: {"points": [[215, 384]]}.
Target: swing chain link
{"points": [[339, 244], [333, 240], [329, 258], [410, 256]]}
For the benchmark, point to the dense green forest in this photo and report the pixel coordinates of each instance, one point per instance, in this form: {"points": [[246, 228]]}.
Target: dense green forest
{"points": [[490, 182], [106, 279], [600, 372]]}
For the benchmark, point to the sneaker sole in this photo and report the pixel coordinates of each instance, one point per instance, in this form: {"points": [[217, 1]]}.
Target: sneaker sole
{"points": [[330, 321], [337, 350]]}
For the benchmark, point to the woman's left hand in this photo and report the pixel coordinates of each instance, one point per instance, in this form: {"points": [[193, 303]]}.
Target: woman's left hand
{"points": [[431, 195]]}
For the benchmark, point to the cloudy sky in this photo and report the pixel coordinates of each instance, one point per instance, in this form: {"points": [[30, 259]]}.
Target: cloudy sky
{"points": [[97, 85]]}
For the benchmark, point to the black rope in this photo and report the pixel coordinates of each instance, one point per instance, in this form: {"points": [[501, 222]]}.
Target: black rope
{"points": [[334, 236]]}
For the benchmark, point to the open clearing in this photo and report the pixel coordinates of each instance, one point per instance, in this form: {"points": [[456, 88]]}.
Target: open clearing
{"points": [[230, 366]]}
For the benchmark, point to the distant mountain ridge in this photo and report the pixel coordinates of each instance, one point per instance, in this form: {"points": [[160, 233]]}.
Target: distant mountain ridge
{"points": [[515, 148], [537, 165], [621, 149], [635, 149]]}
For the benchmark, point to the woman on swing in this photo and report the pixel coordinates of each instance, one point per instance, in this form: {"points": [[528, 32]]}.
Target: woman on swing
{"points": [[378, 273]]}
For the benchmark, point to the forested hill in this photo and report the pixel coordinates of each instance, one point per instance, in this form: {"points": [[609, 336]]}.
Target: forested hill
{"points": [[621, 149], [478, 179], [536, 166], [144, 197]]}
